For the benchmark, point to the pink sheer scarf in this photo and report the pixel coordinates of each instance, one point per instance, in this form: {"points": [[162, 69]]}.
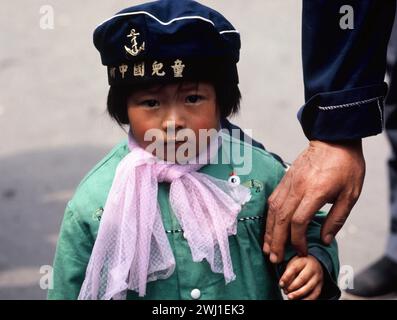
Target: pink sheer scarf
{"points": [[132, 247]]}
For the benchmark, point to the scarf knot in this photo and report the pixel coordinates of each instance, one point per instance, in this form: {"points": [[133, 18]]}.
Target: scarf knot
{"points": [[169, 173]]}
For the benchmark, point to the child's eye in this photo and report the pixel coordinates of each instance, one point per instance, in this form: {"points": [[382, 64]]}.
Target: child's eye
{"points": [[151, 103], [193, 99]]}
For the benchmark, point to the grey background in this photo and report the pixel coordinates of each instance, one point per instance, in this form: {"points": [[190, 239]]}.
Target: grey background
{"points": [[54, 128]]}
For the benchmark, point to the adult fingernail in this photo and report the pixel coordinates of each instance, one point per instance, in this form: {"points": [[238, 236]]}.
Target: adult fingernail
{"points": [[266, 248], [282, 284], [328, 238], [273, 257]]}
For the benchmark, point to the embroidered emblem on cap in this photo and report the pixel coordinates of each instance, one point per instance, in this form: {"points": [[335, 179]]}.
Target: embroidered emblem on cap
{"points": [[123, 69], [113, 72], [134, 50], [178, 68], [139, 69], [156, 68]]}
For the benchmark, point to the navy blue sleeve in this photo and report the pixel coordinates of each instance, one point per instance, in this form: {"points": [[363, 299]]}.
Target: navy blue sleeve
{"points": [[344, 68]]}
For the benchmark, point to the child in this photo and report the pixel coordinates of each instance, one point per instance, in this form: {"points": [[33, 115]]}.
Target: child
{"points": [[158, 218]]}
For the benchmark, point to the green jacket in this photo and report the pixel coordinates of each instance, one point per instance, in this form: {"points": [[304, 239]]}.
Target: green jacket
{"points": [[256, 277]]}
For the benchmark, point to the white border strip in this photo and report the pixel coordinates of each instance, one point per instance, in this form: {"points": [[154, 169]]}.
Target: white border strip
{"points": [[163, 22]]}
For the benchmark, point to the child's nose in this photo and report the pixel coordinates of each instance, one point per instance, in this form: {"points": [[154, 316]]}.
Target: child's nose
{"points": [[174, 121]]}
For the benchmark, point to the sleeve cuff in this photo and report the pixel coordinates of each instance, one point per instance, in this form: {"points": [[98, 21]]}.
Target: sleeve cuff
{"points": [[330, 289], [344, 115]]}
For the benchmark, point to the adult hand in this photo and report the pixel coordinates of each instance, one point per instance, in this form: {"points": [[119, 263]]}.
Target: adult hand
{"points": [[323, 173]]}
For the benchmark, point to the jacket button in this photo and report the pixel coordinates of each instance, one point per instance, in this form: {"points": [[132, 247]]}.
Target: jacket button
{"points": [[196, 293]]}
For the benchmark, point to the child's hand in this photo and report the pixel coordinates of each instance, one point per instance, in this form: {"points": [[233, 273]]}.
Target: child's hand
{"points": [[303, 278]]}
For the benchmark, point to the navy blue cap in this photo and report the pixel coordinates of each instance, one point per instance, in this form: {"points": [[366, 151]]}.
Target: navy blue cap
{"points": [[168, 39]]}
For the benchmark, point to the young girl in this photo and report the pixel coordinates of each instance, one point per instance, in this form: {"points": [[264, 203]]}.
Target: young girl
{"points": [[158, 218]]}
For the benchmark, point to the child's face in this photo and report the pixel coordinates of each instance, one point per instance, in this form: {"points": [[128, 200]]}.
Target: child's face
{"points": [[176, 112]]}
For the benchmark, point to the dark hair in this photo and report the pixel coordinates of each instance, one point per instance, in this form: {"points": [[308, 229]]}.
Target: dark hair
{"points": [[228, 99]]}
